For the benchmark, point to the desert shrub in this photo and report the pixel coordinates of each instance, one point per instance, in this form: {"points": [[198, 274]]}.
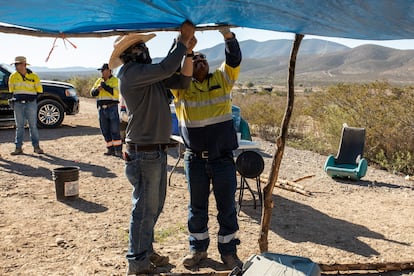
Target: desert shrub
{"points": [[263, 111], [386, 112], [83, 85]]}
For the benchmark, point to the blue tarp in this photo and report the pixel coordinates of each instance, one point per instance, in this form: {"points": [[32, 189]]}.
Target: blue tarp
{"points": [[359, 19]]}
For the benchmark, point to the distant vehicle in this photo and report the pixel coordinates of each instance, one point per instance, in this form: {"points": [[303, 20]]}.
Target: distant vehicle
{"points": [[57, 99]]}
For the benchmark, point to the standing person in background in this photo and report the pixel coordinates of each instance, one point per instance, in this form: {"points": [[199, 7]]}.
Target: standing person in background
{"points": [[25, 86], [204, 112], [144, 88], [106, 90]]}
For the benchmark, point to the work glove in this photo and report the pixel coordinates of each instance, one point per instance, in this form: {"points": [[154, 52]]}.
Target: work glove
{"points": [[95, 92], [107, 88]]}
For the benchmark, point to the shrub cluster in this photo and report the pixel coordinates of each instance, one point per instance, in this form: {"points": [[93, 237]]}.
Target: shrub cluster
{"points": [[386, 112], [83, 85]]}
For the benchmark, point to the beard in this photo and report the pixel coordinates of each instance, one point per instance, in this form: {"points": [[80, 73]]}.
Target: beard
{"points": [[200, 70]]}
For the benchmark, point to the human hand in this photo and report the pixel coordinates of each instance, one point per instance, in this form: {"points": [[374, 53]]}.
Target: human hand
{"points": [[225, 31], [124, 116], [187, 30], [191, 44]]}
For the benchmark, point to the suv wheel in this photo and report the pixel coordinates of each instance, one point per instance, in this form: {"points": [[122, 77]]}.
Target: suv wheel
{"points": [[50, 113]]}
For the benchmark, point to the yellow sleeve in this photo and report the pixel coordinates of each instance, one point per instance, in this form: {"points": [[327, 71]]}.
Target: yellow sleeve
{"points": [[38, 84]]}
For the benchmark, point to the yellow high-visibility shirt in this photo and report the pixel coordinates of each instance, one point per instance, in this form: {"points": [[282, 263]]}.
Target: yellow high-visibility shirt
{"points": [[27, 85], [209, 102], [112, 82]]}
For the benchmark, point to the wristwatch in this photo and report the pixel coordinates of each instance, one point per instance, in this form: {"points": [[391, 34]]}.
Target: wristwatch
{"points": [[189, 54]]}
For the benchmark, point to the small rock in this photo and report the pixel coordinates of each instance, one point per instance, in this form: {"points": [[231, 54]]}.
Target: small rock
{"points": [[60, 241]]}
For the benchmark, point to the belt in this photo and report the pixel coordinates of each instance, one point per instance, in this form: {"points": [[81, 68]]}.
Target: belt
{"points": [[152, 147], [24, 101], [105, 106], [200, 154]]}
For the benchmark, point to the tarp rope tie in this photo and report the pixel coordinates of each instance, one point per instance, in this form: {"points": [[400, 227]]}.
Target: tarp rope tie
{"points": [[54, 45]]}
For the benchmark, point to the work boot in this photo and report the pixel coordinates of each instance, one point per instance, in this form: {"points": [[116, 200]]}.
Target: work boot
{"points": [[231, 261], [17, 151], [194, 258], [159, 260], [110, 151], [118, 153], [141, 267], [38, 150]]}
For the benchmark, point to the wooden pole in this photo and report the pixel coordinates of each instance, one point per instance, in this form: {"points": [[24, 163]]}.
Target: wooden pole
{"points": [[280, 147], [368, 266], [37, 33], [213, 273]]}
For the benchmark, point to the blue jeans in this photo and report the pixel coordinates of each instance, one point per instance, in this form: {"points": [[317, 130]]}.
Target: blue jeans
{"points": [[22, 112], [222, 173], [147, 172], [109, 124]]}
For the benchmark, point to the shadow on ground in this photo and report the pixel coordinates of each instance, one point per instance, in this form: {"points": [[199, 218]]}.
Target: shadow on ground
{"points": [[7, 134], [84, 205], [31, 171], [298, 223]]}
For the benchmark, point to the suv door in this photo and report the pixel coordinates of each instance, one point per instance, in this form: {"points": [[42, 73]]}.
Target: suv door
{"points": [[6, 112]]}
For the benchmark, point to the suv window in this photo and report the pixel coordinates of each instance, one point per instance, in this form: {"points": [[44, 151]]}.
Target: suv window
{"points": [[3, 79]]}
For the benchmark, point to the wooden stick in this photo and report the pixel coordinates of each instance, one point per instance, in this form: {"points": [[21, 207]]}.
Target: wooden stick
{"points": [[304, 177], [31, 32], [291, 183], [389, 266], [213, 273], [292, 189], [287, 185]]}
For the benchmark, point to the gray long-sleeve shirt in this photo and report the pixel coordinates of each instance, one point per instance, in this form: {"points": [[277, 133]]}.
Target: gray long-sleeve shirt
{"points": [[145, 90]]}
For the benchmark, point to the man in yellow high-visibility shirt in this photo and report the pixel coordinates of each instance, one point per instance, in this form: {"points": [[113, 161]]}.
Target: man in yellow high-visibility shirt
{"points": [[106, 91], [25, 85], [204, 111]]}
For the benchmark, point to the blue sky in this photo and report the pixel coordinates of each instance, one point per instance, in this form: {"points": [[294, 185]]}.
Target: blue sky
{"points": [[92, 52]]}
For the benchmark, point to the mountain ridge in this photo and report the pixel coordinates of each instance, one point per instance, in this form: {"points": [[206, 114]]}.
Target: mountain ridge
{"points": [[319, 62]]}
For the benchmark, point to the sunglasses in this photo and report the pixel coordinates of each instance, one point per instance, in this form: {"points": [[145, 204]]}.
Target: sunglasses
{"points": [[139, 45], [199, 57]]}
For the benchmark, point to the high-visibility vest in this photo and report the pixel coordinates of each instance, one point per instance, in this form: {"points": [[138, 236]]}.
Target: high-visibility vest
{"points": [[23, 86]]}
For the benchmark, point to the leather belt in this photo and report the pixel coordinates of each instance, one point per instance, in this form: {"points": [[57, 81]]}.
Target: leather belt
{"points": [[152, 147], [200, 154], [105, 106]]}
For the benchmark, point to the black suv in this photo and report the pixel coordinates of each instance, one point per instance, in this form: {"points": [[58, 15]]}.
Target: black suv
{"points": [[57, 99]]}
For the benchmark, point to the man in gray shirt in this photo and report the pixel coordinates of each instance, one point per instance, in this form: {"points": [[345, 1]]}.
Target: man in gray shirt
{"points": [[144, 86]]}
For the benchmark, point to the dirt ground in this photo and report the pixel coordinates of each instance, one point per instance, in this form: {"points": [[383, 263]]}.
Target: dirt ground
{"points": [[369, 221]]}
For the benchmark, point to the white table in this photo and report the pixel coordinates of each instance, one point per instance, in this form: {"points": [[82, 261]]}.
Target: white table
{"points": [[247, 144]]}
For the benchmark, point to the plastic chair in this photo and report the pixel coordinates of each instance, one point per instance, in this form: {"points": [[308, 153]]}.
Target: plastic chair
{"points": [[349, 162], [249, 164]]}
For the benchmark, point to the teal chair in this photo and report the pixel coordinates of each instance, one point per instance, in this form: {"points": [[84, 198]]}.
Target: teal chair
{"points": [[349, 162]]}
